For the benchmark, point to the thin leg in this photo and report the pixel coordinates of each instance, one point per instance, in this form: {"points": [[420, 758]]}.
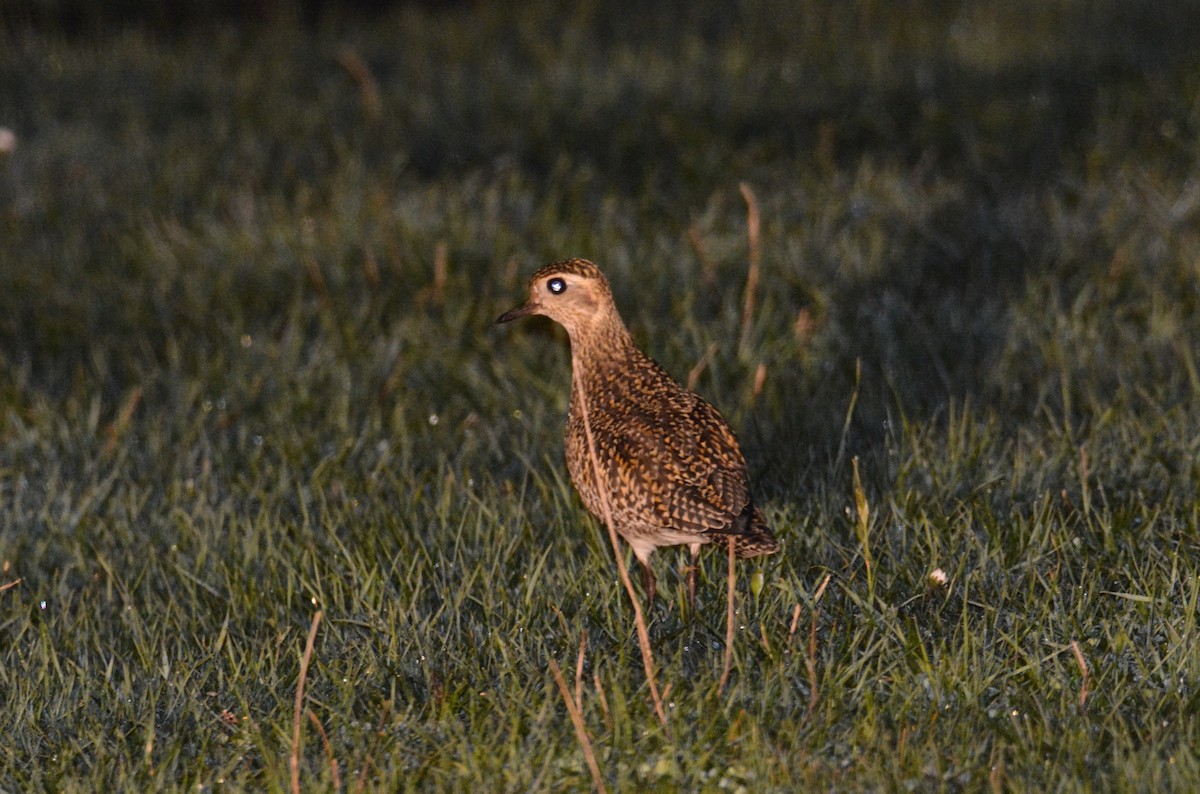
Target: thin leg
{"points": [[729, 613], [648, 581], [694, 548]]}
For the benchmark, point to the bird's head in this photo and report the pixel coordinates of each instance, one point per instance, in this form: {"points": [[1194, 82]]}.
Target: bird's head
{"points": [[573, 293]]}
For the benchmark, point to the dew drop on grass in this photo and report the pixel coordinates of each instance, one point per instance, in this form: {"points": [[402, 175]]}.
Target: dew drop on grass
{"points": [[258, 440], [433, 420], [43, 605]]}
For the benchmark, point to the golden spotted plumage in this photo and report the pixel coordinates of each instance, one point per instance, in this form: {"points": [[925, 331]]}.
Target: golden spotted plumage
{"points": [[669, 464]]}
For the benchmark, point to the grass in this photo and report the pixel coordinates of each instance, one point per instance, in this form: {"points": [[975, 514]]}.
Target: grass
{"points": [[247, 373]]}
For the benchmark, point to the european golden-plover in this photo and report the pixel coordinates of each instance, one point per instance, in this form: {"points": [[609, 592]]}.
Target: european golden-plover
{"points": [[671, 468]]}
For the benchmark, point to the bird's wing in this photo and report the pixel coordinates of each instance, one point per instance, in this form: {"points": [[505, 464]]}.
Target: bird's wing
{"points": [[686, 460]]}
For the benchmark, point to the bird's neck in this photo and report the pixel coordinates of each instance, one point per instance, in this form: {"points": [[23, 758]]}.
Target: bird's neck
{"points": [[602, 348]]}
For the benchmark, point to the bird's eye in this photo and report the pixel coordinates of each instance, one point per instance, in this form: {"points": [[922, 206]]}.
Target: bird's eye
{"points": [[557, 286]]}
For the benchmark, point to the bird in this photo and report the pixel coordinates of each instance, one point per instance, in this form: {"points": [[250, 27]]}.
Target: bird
{"points": [[670, 467]]}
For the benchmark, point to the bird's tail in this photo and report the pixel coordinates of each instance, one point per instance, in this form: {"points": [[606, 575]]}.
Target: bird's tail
{"points": [[757, 539]]}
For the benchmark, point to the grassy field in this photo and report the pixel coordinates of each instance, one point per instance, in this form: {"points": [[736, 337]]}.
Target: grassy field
{"points": [[248, 372]]}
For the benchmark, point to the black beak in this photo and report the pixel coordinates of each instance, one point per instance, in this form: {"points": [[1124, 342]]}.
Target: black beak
{"points": [[520, 311]]}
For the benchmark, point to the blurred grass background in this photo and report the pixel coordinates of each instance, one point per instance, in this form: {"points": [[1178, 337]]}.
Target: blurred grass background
{"points": [[248, 265]]}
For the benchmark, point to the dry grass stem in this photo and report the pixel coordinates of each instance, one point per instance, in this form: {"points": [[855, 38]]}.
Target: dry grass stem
{"points": [[698, 370], [579, 672], [441, 267], [304, 660], [334, 773], [580, 729], [816, 599], [821, 589], [317, 279], [148, 749], [804, 326], [753, 232], [638, 616], [760, 379], [795, 623], [996, 776], [361, 782], [360, 72], [810, 664], [862, 526], [608, 721], [124, 417], [1084, 493], [845, 437], [1083, 669]]}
